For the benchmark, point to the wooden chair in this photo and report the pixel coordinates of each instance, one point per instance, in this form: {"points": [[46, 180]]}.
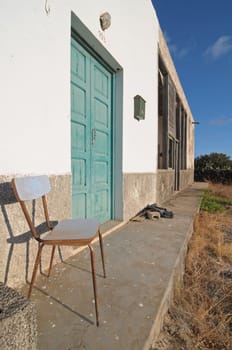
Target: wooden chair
{"points": [[70, 232]]}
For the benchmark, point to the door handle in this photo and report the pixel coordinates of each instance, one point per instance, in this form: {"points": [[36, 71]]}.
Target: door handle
{"points": [[94, 134]]}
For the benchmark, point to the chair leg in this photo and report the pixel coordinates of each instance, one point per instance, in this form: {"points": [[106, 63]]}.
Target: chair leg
{"points": [[37, 260], [51, 260], [94, 283], [102, 252]]}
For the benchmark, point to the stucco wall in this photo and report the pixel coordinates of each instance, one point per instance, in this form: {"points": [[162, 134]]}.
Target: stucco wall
{"points": [[17, 248], [35, 108], [190, 144], [165, 54], [139, 190], [186, 178], [35, 80], [165, 185]]}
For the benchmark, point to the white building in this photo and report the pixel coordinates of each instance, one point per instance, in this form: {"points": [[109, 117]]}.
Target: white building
{"points": [[72, 94]]}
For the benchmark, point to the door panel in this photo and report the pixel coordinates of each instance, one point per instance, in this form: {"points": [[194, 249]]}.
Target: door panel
{"points": [[101, 151], [80, 128], [91, 136]]}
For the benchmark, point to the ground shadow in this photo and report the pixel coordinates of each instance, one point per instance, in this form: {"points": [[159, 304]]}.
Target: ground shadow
{"points": [[7, 198], [64, 305], [80, 268]]}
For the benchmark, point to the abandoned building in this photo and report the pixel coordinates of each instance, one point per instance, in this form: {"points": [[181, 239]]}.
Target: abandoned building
{"points": [[93, 100]]}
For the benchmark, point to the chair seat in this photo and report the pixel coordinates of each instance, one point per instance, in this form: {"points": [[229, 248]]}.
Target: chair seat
{"points": [[73, 229]]}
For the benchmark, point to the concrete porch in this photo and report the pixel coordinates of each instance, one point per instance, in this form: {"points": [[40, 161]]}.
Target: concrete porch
{"points": [[143, 263]]}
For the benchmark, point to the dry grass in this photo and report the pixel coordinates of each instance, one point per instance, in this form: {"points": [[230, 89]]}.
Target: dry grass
{"points": [[201, 315], [224, 191]]}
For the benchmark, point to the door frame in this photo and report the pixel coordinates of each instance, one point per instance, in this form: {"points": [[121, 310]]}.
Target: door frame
{"points": [[91, 44]]}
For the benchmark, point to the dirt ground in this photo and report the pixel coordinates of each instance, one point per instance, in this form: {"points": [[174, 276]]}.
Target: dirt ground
{"points": [[201, 315]]}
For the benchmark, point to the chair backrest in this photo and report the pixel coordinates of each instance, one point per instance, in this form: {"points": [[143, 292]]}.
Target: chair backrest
{"points": [[30, 188]]}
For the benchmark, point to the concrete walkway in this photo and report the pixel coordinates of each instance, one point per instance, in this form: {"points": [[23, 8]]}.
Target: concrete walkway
{"points": [[143, 262]]}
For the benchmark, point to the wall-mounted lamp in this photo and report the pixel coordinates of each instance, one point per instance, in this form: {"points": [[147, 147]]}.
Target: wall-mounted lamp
{"points": [[139, 107], [105, 20], [196, 123]]}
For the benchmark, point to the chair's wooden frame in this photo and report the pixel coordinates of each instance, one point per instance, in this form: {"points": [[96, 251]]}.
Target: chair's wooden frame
{"points": [[80, 241]]}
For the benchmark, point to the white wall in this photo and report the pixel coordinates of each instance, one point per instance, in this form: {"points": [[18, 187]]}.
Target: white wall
{"points": [[35, 80], [34, 89]]}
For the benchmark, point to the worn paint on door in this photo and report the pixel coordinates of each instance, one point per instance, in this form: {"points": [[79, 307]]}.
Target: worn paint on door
{"points": [[91, 136]]}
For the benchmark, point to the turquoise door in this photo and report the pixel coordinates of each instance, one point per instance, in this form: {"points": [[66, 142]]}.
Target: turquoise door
{"points": [[91, 136]]}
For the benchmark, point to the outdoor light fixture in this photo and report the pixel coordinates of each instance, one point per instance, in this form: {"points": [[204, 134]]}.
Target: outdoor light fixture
{"points": [[139, 107], [105, 20], [196, 123]]}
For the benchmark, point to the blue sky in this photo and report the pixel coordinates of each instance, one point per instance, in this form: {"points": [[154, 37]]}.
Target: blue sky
{"points": [[199, 36]]}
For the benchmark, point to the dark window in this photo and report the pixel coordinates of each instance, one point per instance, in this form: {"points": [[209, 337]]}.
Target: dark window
{"points": [[171, 153], [172, 123], [171, 108]]}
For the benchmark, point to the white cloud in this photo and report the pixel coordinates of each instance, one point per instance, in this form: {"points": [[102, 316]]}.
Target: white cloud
{"points": [[167, 37], [175, 50], [172, 47], [184, 51], [220, 121], [221, 47]]}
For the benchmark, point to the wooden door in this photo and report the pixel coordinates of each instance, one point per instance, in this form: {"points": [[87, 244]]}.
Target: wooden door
{"points": [[91, 136]]}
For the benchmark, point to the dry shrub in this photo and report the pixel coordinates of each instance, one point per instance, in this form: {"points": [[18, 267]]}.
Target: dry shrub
{"points": [[224, 191], [201, 315]]}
